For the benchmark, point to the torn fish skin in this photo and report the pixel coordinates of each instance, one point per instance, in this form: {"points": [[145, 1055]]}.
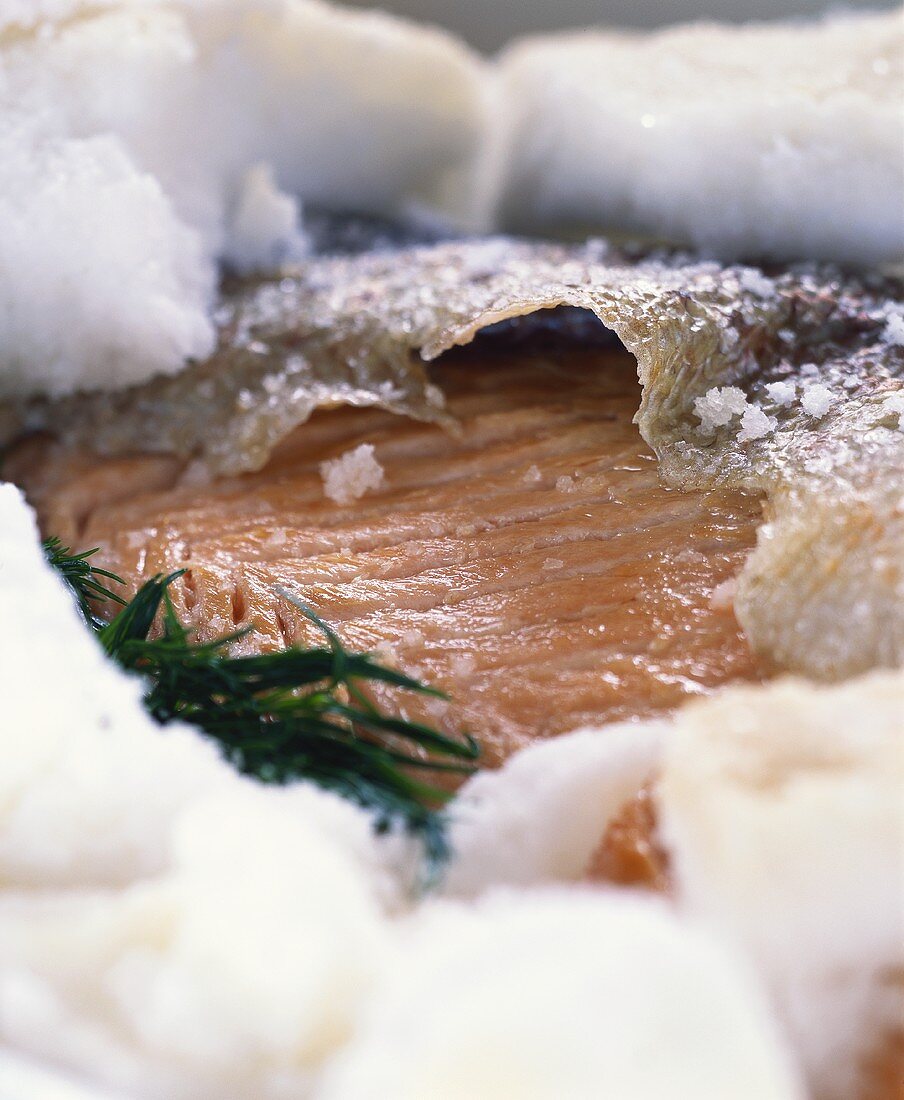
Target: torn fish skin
{"points": [[356, 329]]}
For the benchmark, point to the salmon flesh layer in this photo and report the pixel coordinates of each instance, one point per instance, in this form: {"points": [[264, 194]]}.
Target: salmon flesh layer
{"points": [[532, 565]]}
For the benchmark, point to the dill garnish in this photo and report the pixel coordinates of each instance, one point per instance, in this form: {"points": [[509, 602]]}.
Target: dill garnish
{"points": [[82, 578], [292, 714]]}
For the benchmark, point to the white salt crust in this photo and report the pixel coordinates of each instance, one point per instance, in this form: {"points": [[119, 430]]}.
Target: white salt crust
{"points": [[781, 807], [141, 144], [778, 140], [171, 931], [542, 995], [755, 424]]}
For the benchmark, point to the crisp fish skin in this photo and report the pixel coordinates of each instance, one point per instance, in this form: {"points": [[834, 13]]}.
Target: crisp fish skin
{"points": [[823, 593]]}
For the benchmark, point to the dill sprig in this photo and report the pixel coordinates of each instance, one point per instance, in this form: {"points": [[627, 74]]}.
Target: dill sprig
{"points": [[84, 579], [292, 714]]}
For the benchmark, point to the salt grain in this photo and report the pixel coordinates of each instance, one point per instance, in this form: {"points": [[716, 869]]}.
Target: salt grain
{"points": [[782, 393], [723, 595], [757, 283], [719, 405], [351, 475], [565, 484], [817, 399], [755, 424], [894, 405], [894, 330], [462, 664]]}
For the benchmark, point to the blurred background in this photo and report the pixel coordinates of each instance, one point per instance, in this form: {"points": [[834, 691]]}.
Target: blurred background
{"points": [[489, 24]]}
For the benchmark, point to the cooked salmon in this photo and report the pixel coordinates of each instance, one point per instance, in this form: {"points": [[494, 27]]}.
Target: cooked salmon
{"points": [[630, 853], [531, 565]]}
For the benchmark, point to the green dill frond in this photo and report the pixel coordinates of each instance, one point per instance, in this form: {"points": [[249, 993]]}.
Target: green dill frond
{"points": [[84, 579], [287, 715]]}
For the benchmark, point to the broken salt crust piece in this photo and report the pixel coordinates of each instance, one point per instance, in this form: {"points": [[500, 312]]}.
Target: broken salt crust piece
{"points": [[351, 475]]}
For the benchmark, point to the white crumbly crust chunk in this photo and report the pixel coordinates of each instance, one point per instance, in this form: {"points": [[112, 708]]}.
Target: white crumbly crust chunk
{"points": [[562, 994], [198, 127], [100, 279], [166, 927], [351, 475], [263, 225], [743, 141], [782, 809], [757, 283], [540, 816]]}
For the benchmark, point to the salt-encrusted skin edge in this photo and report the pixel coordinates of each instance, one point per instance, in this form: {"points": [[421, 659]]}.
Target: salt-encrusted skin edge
{"points": [[822, 594]]}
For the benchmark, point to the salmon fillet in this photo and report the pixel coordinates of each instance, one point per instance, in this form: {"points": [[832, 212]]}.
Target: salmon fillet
{"points": [[531, 565]]}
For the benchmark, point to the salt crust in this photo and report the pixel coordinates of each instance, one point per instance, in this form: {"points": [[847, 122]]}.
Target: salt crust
{"points": [[778, 140], [626, 999], [143, 142], [351, 475], [113, 224], [782, 809], [721, 404], [782, 393], [173, 931]]}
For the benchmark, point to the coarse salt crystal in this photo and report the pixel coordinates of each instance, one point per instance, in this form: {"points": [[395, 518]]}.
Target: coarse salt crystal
{"points": [[719, 405], [757, 283], [553, 563], [351, 475], [782, 393], [755, 424], [723, 595], [532, 475], [892, 404], [817, 399], [463, 663], [565, 484], [894, 329]]}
